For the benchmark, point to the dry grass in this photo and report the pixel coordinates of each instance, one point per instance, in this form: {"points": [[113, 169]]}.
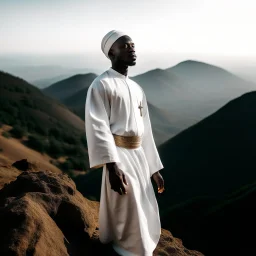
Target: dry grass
{"points": [[13, 150]]}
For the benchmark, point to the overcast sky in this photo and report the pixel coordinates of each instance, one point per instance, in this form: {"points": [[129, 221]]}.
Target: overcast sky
{"points": [[188, 27]]}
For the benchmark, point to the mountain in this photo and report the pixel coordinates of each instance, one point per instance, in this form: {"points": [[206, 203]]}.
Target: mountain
{"points": [[42, 123], [76, 102], [209, 166], [192, 89], [207, 78], [219, 150], [68, 87], [77, 99], [245, 70], [46, 82], [160, 86], [162, 124], [19, 98], [230, 221]]}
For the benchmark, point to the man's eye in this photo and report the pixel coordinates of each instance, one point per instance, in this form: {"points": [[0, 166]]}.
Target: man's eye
{"points": [[127, 45]]}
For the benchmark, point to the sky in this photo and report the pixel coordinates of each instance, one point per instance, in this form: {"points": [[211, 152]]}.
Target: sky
{"points": [[206, 29]]}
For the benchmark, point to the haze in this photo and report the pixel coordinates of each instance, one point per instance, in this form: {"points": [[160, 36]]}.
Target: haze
{"points": [[68, 33]]}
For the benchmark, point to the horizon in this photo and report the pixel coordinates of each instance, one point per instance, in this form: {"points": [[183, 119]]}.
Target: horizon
{"points": [[19, 65]]}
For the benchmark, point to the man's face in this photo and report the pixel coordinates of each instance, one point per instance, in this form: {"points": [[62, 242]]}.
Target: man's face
{"points": [[123, 51]]}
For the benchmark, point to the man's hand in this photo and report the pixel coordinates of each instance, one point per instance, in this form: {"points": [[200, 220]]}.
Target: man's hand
{"points": [[117, 178], [159, 182]]}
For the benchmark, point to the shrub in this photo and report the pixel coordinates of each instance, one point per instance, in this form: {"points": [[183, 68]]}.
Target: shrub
{"points": [[6, 135], [13, 111], [28, 102], [73, 150], [6, 118], [18, 89], [66, 166], [10, 89], [18, 132], [31, 126], [28, 91], [38, 129], [36, 142], [55, 132], [52, 161], [78, 163], [70, 139], [55, 148], [84, 140]]}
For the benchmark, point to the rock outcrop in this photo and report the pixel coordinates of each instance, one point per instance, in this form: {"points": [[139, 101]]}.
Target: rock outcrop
{"points": [[23, 165], [43, 214]]}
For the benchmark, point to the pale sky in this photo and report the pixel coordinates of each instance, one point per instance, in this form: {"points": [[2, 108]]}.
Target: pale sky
{"points": [[180, 26], [203, 27]]}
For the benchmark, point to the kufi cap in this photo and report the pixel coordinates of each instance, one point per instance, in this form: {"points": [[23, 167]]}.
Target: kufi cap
{"points": [[109, 39]]}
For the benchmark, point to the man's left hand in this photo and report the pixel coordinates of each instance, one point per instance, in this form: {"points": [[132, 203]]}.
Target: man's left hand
{"points": [[159, 182]]}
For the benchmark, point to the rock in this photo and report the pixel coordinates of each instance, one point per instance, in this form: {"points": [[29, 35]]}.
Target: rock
{"points": [[43, 214], [22, 165], [171, 246], [7, 174]]}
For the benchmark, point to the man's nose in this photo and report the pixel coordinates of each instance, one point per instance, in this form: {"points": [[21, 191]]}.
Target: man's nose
{"points": [[131, 49]]}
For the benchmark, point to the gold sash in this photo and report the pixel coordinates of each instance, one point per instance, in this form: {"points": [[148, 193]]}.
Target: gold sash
{"points": [[130, 142]]}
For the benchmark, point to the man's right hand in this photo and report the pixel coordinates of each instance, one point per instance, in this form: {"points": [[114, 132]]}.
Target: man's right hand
{"points": [[117, 178]]}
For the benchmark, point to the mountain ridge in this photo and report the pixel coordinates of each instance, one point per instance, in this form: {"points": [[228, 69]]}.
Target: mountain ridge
{"points": [[42, 123], [69, 86]]}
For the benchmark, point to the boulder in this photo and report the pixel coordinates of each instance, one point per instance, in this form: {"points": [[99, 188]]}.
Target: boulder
{"points": [[43, 214]]}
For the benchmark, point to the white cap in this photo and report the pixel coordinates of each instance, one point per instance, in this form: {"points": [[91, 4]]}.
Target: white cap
{"points": [[109, 39]]}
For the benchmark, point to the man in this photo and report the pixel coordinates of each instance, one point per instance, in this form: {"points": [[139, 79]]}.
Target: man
{"points": [[119, 137]]}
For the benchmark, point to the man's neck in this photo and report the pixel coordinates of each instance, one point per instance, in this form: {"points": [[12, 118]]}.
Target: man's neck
{"points": [[121, 69]]}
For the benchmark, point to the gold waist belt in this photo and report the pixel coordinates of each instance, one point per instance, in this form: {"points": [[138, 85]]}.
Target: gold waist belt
{"points": [[129, 142]]}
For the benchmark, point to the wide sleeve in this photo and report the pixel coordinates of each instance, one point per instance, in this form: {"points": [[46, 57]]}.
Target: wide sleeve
{"points": [[100, 141], [148, 142]]}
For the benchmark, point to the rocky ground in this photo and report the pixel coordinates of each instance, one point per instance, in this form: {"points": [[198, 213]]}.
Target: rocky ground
{"points": [[43, 214]]}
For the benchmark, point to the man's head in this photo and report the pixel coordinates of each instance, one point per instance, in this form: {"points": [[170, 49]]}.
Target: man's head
{"points": [[119, 48]]}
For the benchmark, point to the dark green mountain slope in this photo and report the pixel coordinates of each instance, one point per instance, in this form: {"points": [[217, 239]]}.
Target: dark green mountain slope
{"points": [[215, 156], [68, 87], [216, 226], [49, 126]]}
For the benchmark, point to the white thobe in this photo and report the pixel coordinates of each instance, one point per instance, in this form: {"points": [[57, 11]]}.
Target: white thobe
{"points": [[132, 220]]}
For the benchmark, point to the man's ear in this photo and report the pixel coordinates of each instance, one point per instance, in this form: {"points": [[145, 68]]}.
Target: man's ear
{"points": [[111, 54]]}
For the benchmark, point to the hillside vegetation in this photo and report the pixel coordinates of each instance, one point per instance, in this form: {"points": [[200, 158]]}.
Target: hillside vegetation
{"points": [[42, 123]]}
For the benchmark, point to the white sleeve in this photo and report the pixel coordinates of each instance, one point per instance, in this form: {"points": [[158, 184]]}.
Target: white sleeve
{"points": [[100, 141], [148, 142]]}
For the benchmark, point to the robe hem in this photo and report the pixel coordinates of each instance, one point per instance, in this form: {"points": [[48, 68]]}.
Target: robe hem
{"points": [[122, 251]]}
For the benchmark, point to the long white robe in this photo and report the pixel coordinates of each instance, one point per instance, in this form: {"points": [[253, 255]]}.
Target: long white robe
{"points": [[131, 221]]}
